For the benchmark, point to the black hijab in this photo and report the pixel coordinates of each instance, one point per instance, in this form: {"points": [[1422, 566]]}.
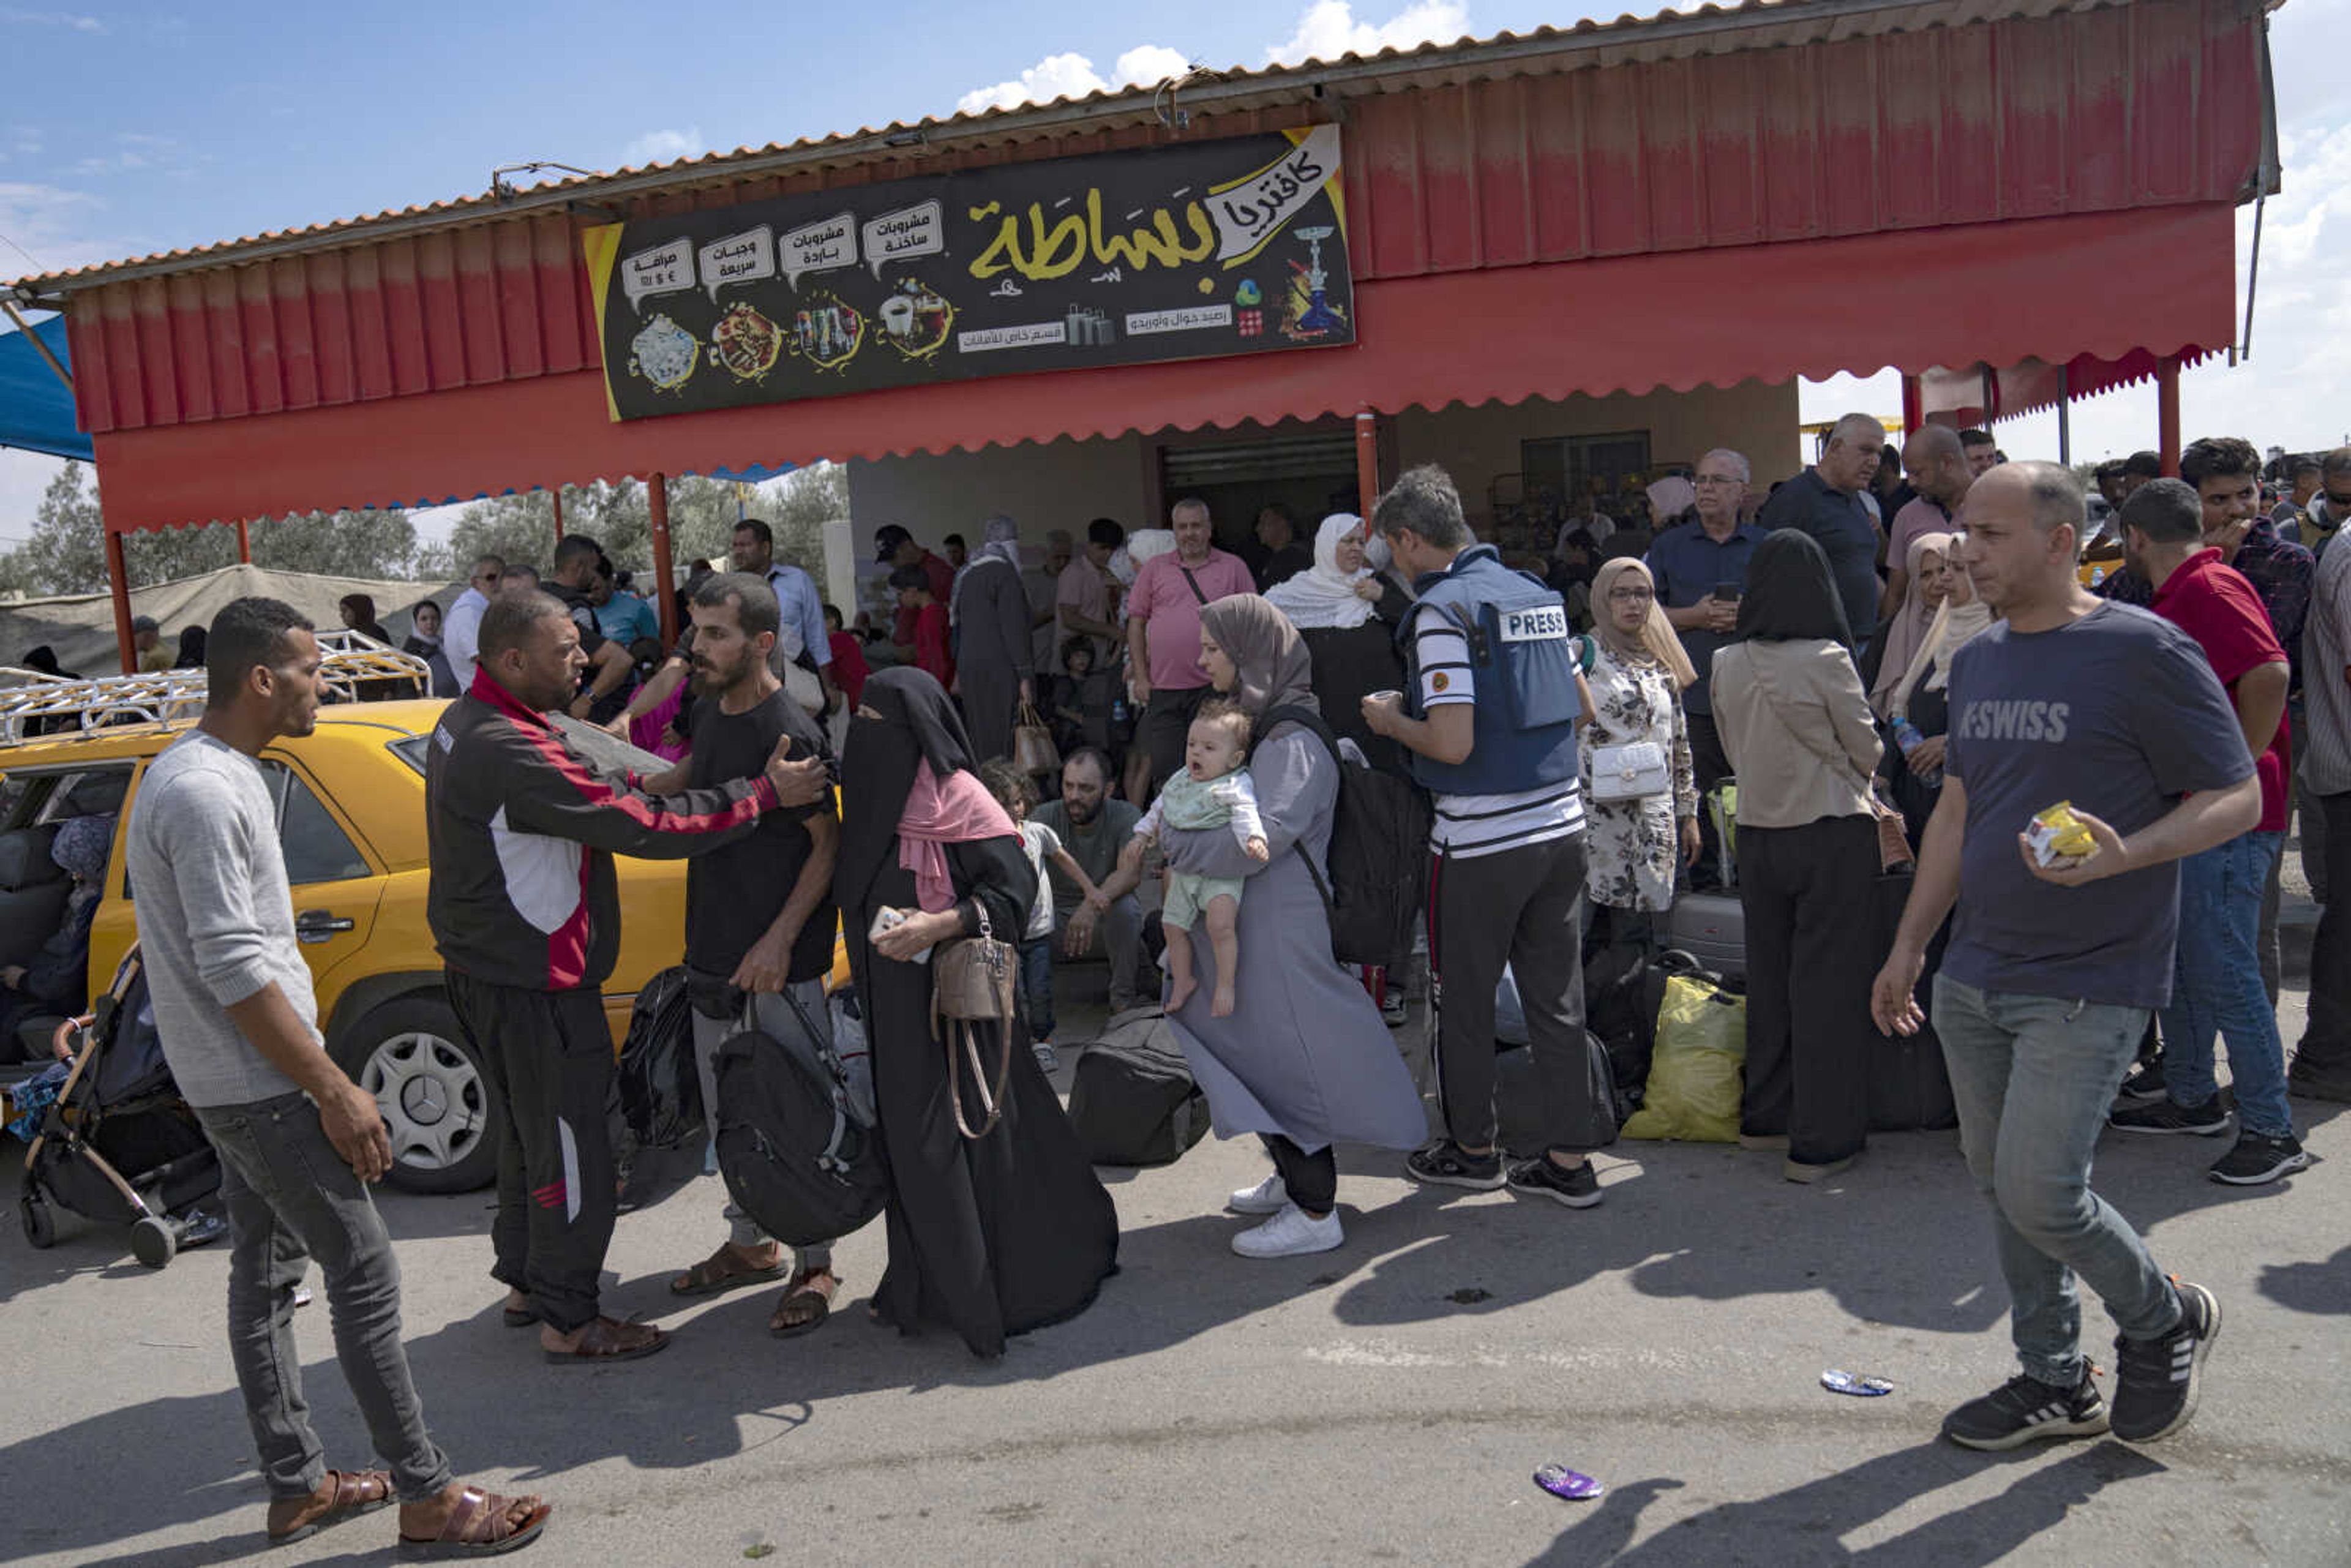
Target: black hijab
{"points": [[44, 659], [1791, 594], [878, 763], [192, 648]]}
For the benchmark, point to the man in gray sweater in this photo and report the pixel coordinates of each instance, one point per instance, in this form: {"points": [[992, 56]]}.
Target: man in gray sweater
{"points": [[995, 666], [298, 1141]]}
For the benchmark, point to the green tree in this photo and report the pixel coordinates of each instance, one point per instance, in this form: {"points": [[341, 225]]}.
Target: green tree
{"points": [[67, 550]]}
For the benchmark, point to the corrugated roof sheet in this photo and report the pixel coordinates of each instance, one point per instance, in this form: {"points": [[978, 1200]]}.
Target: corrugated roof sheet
{"points": [[2075, 112], [1669, 34]]}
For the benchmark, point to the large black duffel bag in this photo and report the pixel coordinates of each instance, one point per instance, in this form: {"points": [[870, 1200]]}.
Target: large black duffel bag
{"points": [[1132, 1098], [798, 1153]]}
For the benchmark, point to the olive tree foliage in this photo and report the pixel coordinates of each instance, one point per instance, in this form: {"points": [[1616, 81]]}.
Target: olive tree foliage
{"points": [[703, 513], [65, 552]]}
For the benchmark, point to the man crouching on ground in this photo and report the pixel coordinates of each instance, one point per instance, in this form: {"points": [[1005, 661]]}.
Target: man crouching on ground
{"points": [[526, 911], [298, 1141]]}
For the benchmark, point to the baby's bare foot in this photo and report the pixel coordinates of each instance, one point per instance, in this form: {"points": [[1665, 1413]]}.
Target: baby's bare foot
{"points": [[1220, 1005], [1179, 991]]}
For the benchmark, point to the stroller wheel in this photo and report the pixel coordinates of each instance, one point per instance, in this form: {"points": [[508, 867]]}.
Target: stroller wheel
{"points": [[153, 1242], [39, 1229]]}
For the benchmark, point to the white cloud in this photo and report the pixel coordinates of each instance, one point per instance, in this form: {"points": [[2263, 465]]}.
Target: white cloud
{"points": [[1073, 74], [49, 228], [663, 147], [1329, 29], [12, 16]]}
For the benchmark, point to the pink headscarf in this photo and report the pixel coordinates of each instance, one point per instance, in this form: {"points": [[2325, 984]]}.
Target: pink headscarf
{"points": [[937, 815]]}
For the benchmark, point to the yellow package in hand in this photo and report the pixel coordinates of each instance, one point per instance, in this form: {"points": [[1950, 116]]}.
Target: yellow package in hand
{"points": [[1695, 1075]]}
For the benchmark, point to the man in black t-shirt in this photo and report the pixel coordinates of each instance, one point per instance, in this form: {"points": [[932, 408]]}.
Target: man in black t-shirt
{"points": [[759, 920]]}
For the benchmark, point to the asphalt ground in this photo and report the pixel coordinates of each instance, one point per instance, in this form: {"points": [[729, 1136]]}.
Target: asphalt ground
{"points": [[1385, 1403]]}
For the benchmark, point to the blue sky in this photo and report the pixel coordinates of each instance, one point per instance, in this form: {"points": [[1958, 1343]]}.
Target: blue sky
{"points": [[131, 129]]}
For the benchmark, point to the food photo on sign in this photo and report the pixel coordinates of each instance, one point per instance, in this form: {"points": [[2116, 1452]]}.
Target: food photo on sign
{"points": [[1232, 247]]}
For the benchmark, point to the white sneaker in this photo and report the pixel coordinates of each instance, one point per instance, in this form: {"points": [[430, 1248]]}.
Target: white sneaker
{"points": [[1267, 1196], [1290, 1234]]}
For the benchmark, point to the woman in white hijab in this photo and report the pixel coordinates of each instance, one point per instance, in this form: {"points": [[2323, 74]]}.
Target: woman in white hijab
{"points": [[1346, 613], [1914, 777]]}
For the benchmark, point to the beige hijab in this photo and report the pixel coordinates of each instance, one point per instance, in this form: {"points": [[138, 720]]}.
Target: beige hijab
{"points": [[1268, 657], [1906, 633], [1656, 643], [1961, 617]]}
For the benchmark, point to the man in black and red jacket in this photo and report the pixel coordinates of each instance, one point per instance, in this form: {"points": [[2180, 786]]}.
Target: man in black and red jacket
{"points": [[526, 911]]}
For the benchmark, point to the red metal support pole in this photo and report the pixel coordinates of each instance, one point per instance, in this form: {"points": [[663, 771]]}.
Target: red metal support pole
{"points": [[556, 496], [1914, 404], [1367, 457], [243, 543], [2167, 414], [117, 579], [657, 504]]}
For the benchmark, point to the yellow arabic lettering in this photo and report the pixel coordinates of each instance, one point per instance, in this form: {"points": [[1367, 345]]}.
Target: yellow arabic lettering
{"points": [[1041, 252]]}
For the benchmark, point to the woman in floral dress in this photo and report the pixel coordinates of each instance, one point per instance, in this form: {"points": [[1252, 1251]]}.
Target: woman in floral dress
{"points": [[1638, 674]]}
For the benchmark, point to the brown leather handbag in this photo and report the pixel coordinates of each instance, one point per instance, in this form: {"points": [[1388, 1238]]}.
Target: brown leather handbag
{"points": [[973, 983]]}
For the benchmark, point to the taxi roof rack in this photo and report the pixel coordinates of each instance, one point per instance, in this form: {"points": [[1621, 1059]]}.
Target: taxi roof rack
{"points": [[167, 695]]}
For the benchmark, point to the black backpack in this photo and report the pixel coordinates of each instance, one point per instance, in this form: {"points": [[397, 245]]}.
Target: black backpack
{"points": [[1379, 855], [799, 1155], [1132, 1098]]}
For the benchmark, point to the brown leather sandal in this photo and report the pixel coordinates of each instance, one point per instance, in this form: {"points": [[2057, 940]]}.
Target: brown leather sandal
{"points": [[482, 1524], [786, 1323], [603, 1341], [724, 1270], [355, 1492]]}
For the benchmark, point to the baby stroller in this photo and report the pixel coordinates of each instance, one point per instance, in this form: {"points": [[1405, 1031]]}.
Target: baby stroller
{"points": [[119, 1145]]}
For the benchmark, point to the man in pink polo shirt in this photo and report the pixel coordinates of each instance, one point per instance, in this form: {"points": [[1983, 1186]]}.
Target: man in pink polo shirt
{"points": [[1163, 633]]}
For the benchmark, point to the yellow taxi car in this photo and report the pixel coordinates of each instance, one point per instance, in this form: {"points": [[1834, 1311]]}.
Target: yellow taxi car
{"points": [[349, 804]]}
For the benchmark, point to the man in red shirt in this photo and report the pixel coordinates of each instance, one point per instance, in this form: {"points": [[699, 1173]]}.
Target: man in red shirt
{"points": [[2216, 975], [928, 637], [894, 546], [1163, 633]]}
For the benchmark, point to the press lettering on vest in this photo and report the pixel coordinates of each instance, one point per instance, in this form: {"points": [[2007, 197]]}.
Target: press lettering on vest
{"points": [[1538, 625]]}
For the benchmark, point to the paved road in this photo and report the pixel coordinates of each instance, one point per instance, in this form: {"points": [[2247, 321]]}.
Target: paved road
{"points": [[1385, 1403]]}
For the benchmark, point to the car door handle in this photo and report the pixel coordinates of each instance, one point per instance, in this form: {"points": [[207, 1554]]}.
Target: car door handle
{"points": [[316, 925]]}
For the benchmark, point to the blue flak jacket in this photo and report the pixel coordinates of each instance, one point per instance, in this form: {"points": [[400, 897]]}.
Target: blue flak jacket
{"points": [[1522, 671]]}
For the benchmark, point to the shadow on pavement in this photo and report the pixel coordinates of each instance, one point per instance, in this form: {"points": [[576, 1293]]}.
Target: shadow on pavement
{"points": [[2324, 1288], [1822, 1511]]}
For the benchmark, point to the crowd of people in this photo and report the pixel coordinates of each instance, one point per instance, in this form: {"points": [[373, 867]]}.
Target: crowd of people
{"points": [[1907, 664]]}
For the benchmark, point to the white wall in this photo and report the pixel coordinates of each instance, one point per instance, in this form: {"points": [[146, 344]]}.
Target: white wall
{"points": [[1061, 484], [1066, 484], [1476, 445]]}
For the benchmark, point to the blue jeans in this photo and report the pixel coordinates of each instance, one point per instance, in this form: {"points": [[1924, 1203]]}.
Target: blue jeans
{"points": [[2216, 986], [2033, 1077], [1037, 985], [290, 1197]]}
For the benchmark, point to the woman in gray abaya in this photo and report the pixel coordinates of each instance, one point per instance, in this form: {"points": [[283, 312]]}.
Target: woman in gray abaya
{"points": [[1304, 1060]]}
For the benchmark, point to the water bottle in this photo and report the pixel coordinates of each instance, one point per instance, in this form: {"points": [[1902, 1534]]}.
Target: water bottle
{"points": [[1118, 707], [1906, 737]]}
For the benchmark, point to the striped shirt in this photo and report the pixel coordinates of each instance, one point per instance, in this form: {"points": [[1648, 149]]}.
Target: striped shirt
{"points": [[1471, 825]]}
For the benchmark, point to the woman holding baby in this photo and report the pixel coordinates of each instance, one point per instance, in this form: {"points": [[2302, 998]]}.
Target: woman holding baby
{"points": [[1301, 1059]]}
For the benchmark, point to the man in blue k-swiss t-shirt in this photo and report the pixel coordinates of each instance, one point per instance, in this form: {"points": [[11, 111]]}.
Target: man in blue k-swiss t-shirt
{"points": [[2052, 970]]}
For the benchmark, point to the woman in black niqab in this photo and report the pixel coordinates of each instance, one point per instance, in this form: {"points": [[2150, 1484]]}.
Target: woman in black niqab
{"points": [[994, 1236], [1791, 594]]}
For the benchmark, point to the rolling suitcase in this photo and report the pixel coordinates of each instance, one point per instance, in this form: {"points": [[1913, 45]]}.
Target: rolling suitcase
{"points": [[1711, 928]]}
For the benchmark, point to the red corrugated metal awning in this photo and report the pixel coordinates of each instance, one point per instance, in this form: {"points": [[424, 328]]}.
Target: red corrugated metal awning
{"points": [[1979, 394], [2106, 286]]}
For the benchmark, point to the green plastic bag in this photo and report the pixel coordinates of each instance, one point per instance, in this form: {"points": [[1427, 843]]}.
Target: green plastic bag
{"points": [[1695, 1076]]}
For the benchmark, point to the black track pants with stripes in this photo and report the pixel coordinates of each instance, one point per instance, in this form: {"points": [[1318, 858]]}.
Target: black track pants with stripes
{"points": [[548, 1055]]}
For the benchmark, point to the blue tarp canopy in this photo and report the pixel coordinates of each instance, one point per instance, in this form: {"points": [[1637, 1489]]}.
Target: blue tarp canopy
{"points": [[37, 410]]}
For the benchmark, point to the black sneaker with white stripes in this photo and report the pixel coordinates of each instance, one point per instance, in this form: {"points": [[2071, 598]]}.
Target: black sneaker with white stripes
{"points": [[2026, 1410], [2169, 1117], [1578, 1187], [2155, 1379], [2258, 1158], [1446, 1163]]}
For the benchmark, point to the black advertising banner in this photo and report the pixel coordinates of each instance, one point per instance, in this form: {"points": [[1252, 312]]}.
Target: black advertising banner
{"points": [[1233, 246]]}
